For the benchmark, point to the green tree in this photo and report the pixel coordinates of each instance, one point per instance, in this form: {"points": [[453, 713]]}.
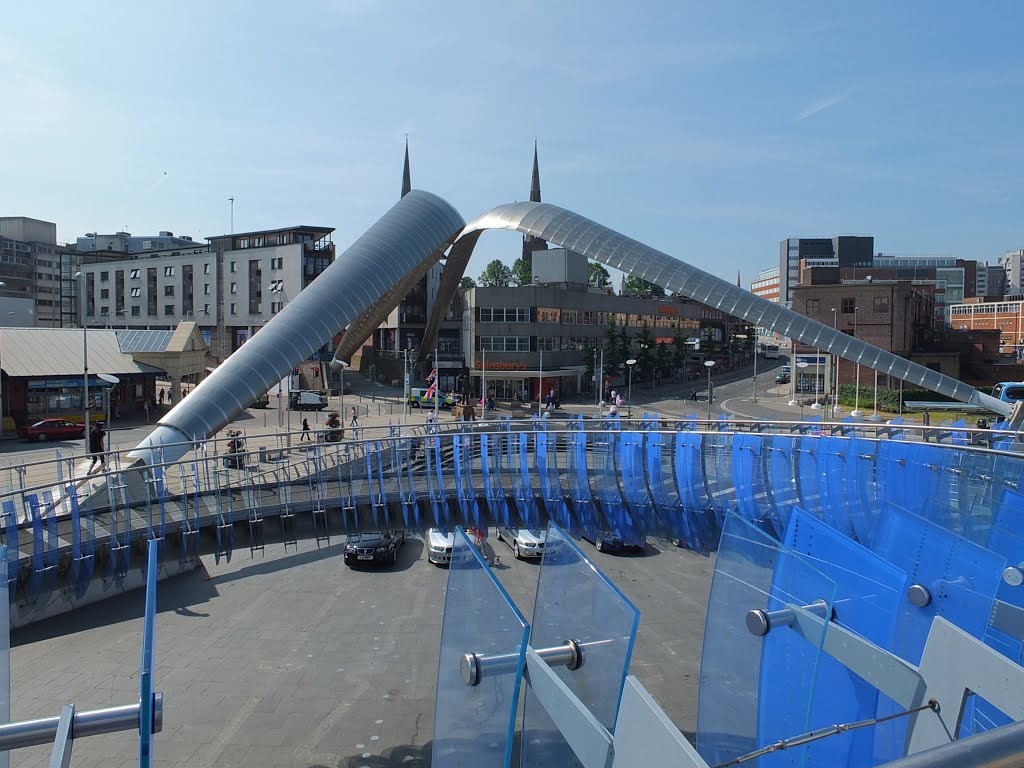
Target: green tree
{"points": [[496, 275], [637, 287], [590, 354], [597, 275], [613, 357], [521, 272], [466, 283], [645, 352], [663, 360], [680, 350]]}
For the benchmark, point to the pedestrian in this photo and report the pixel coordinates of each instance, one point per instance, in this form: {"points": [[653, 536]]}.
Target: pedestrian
{"points": [[96, 448], [145, 406], [305, 431], [161, 396], [354, 417]]}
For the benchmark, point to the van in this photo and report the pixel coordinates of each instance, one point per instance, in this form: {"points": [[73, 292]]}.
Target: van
{"points": [[307, 400], [263, 401]]}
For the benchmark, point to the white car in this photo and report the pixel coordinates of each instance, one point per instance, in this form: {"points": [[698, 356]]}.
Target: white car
{"points": [[439, 546], [525, 542]]}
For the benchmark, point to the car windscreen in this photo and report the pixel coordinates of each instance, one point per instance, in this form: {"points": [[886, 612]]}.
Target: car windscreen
{"points": [[1013, 393]]}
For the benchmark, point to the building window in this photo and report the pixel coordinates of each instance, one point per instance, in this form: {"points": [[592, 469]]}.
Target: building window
{"points": [[104, 311], [234, 309], [104, 293], [134, 274], [257, 242], [168, 309], [234, 287], [168, 271], [206, 289], [206, 309], [504, 314], [243, 242], [813, 306], [505, 343], [849, 306], [234, 266], [136, 293], [548, 315], [880, 305], [136, 311], [206, 269], [104, 277], [168, 290]]}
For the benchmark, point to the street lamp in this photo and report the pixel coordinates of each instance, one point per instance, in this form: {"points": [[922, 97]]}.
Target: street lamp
{"points": [[709, 364], [856, 412], [744, 336], [835, 364], [111, 380], [816, 405], [2, 285], [337, 365], [85, 358], [629, 388], [801, 365]]}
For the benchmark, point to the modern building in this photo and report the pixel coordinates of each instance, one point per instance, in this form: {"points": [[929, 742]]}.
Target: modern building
{"points": [[766, 286], [841, 251], [996, 285], [230, 288], [31, 267], [1012, 263], [538, 337]]}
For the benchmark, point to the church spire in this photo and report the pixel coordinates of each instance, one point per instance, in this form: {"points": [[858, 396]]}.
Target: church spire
{"points": [[406, 176], [531, 243], [535, 181]]}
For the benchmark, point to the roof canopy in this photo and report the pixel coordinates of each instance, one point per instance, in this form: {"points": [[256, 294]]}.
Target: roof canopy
{"points": [[41, 352]]}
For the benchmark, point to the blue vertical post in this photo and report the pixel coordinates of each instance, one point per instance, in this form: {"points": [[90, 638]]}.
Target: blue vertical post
{"points": [[146, 668]]}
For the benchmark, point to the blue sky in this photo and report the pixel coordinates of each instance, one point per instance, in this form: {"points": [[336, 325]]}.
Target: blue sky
{"points": [[710, 130]]}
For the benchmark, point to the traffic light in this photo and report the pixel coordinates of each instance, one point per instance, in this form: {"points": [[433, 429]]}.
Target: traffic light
{"points": [[295, 371], [316, 372]]}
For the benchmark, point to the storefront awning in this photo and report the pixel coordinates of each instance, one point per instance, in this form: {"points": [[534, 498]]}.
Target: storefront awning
{"points": [[572, 370]]}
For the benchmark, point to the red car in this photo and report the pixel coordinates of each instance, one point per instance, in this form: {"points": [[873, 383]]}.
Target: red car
{"points": [[53, 429]]}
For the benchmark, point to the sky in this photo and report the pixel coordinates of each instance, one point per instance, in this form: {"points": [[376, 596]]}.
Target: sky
{"points": [[708, 130]]}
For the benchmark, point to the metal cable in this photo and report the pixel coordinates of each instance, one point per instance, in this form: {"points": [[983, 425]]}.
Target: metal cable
{"points": [[821, 733]]}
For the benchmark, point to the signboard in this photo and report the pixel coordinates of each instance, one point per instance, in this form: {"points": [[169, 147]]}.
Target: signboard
{"points": [[496, 366], [65, 382]]}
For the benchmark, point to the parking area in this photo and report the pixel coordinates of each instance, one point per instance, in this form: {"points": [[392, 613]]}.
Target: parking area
{"points": [[295, 659]]}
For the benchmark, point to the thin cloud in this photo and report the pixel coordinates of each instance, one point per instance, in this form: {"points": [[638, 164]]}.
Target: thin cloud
{"points": [[818, 106]]}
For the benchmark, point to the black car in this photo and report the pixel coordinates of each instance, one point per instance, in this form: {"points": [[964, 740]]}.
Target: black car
{"points": [[374, 548]]}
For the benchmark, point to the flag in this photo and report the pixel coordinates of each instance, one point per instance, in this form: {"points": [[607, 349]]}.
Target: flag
{"points": [[432, 381], [432, 377]]}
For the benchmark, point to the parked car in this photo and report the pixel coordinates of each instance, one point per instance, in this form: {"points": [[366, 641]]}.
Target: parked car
{"points": [[376, 548], [53, 429], [263, 401], [525, 542], [439, 546], [607, 541], [782, 377], [418, 399]]}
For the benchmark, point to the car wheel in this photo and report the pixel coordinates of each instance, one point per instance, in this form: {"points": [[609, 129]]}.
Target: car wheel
{"points": [[392, 557], [599, 545], [42, 437], [515, 550]]}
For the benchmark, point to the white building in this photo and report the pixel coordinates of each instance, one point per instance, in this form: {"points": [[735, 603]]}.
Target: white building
{"points": [[1012, 263], [230, 288]]}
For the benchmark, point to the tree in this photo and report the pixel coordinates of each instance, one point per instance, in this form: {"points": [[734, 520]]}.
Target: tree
{"points": [[496, 275], [466, 283], [664, 358], [645, 353], [613, 357], [680, 350], [597, 275], [521, 273], [637, 287]]}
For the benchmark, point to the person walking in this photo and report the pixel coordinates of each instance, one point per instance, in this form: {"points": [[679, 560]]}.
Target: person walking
{"points": [[96, 448], [305, 431], [161, 398], [354, 417]]}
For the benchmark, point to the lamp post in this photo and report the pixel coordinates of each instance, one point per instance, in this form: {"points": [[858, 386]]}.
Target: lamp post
{"points": [[835, 364], [801, 365], [2, 285], [540, 381], [816, 405], [340, 365], [405, 378], [629, 388], [709, 364], [483, 381], [874, 409], [80, 276], [856, 412], [745, 336], [437, 386], [597, 383], [111, 380]]}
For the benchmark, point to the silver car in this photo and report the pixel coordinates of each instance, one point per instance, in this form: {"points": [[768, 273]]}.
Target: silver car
{"points": [[439, 546], [525, 542]]}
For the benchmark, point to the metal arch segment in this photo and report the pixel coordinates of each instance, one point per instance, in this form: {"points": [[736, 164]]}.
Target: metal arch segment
{"points": [[414, 231], [557, 225]]}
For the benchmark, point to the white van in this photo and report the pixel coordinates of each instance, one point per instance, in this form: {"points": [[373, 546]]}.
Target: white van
{"points": [[307, 400]]}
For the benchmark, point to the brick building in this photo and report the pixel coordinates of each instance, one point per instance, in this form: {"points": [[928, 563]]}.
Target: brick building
{"points": [[894, 315], [1005, 316]]}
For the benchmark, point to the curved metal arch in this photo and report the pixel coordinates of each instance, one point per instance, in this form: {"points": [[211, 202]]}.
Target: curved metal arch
{"points": [[414, 233], [577, 233]]}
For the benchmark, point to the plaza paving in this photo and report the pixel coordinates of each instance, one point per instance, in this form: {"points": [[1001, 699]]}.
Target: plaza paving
{"points": [[293, 659]]}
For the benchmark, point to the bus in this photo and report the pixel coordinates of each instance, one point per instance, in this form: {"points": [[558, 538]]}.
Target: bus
{"points": [[1009, 391], [771, 351]]}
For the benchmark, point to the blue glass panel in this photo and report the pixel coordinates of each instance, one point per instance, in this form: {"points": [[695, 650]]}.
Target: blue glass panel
{"points": [[473, 725], [575, 601], [868, 595], [490, 469], [526, 502], [11, 530], [756, 690], [782, 492], [958, 435], [584, 512], [717, 456], [35, 581], [634, 484], [747, 462], [664, 492], [961, 577], [863, 507], [891, 472], [809, 478]]}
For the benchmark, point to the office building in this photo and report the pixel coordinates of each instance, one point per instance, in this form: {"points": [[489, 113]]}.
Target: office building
{"points": [[126, 242], [1005, 315], [1012, 263], [841, 251]]}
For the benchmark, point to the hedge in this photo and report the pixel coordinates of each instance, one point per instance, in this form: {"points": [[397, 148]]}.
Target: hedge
{"points": [[888, 399]]}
